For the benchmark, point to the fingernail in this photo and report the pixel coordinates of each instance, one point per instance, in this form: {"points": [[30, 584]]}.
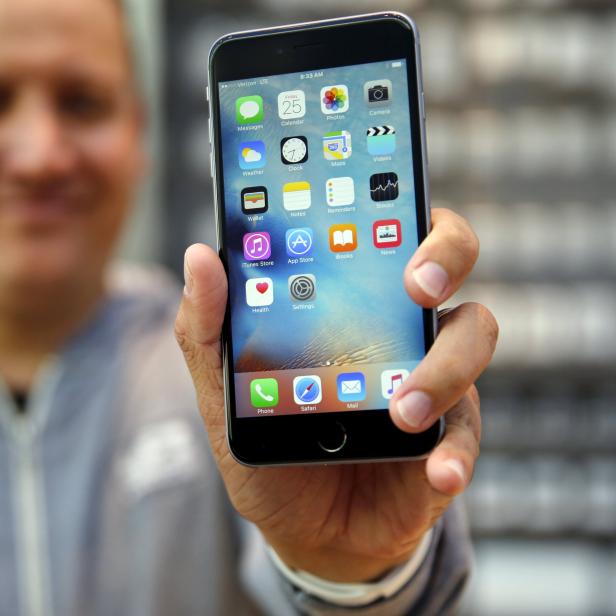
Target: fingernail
{"points": [[432, 279], [457, 467], [414, 408], [188, 281]]}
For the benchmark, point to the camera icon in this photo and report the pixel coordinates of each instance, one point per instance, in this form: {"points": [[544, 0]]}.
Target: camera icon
{"points": [[378, 92]]}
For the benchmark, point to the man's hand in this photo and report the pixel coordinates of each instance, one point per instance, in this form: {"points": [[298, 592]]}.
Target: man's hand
{"points": [[351, 523]]}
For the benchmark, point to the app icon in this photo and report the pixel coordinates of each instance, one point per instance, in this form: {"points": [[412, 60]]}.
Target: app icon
{"points": [[340, 191], [378, 93], [342, 238], [299, 242], [263, 393], [294, 150], [254, 200], [303, 287], [337, 145], [381, 140], [334, 99], [384, 186], [251, 155], [249, 110], [307, 390], [351, 387], [387, 233], [296, 196], [291, 104], [259, 292], [391, 380], [257, 246]]}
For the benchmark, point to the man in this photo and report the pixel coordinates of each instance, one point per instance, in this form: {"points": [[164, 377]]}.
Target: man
{"points": [[111, 502]]}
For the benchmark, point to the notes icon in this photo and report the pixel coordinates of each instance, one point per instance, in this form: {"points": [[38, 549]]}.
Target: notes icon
{"points": [[391, 381], [337, 145], [296, 196]]}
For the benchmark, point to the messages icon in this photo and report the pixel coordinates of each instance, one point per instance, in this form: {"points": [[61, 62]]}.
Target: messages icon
{"points": [[249, 110], [351, 387]]}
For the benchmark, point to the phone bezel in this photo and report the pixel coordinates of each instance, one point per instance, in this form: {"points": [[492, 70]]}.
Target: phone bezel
{"points": [[371, 434]]}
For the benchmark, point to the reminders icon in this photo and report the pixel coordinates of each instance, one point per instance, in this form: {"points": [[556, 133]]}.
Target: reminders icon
{"points": [[340, 191], [296, 196]]}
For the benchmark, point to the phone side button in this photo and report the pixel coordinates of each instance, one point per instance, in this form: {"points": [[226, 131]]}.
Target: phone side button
{"points": [[334, 437], [211, 164]]}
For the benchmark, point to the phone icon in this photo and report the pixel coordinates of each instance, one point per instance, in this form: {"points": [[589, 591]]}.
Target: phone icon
{"points": [[251, 155], [254, 200], [264, 393], [342, 238], [249, 110], [391, 381], [307, 390]]}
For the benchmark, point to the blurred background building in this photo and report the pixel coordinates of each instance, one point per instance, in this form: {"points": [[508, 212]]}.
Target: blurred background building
{"points": [[521, 106]]}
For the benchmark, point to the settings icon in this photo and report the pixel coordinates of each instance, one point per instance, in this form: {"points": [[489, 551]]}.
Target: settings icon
{"points": [[303, 288]]}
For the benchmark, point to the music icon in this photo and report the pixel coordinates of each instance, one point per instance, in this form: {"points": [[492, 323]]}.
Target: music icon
{"points": [[391, 381], [257, 246]]}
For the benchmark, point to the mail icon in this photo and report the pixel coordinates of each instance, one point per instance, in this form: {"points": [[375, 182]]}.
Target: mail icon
{"points": [[351, 387]]}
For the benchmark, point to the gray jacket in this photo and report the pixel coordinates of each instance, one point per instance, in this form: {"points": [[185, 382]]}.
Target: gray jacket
{"points": [[110, 502]]}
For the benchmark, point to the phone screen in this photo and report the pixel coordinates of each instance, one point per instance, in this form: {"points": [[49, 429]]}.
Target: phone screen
{"points": [[319, 222]]}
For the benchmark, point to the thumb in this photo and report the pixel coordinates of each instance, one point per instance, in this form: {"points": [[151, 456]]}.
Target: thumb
{"points": [[197, 328]]}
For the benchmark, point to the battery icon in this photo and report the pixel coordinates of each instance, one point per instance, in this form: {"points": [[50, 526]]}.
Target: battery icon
{"points": [[397, 64]]}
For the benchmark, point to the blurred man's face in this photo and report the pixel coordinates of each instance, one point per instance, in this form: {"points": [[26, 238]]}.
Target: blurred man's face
{"points": [[69, 140]]}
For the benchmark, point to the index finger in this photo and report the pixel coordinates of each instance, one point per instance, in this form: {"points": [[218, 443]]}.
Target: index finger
{"points": [[442, 261]]}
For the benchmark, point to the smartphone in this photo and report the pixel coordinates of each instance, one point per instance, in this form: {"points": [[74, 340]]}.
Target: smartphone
{"points": [[320, 182]]}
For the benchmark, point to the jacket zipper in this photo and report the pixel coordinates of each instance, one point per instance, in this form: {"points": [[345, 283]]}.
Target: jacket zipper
{"points": [[28, 495]]}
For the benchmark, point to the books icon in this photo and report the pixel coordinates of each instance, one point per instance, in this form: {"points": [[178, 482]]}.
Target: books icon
{"points": [[296, 196], [342, 238]]}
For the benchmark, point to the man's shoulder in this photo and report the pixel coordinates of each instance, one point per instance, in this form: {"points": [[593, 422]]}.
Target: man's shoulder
{"points": [[147, 299]]}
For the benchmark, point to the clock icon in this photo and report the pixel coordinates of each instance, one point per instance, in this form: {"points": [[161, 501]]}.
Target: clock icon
{"points": [[294, 150]]}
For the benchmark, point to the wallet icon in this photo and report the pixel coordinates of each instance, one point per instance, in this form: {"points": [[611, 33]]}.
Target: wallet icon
{"points": [[351, 387]]}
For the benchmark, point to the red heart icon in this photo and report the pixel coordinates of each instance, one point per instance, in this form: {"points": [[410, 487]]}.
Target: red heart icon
{"points": [[262, 287]]}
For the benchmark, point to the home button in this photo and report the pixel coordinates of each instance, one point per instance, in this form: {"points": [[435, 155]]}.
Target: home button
{"points": [[333, 437]]}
